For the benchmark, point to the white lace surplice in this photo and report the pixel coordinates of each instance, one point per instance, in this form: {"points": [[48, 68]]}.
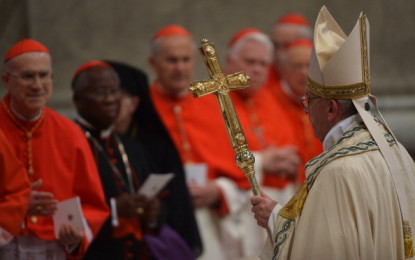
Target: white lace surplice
{"points": [[32, 248]]}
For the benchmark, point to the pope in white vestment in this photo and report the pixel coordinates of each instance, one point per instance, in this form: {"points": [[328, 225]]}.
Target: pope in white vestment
{"points": [[358, 198], [347, 208]]}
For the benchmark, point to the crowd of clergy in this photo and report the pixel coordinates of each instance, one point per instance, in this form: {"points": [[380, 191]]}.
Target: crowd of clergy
{"points": [[127, 129]]}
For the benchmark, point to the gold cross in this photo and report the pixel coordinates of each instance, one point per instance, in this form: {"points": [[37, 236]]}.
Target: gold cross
{"points": [[220, 85]]}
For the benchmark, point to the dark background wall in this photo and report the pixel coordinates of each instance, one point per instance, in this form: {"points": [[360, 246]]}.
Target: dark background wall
{"points": [[77, 31]]}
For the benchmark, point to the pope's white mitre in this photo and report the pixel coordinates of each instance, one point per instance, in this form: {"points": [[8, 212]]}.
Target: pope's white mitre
{"points": [[339, 66], [339, 69]]}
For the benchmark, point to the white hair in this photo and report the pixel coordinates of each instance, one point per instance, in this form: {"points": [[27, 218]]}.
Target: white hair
{"points": [[9, 65], [258, 37], [155, 47]]}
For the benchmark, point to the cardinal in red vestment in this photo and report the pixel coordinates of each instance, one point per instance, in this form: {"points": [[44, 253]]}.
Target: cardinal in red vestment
{"points": [[56, 155]]}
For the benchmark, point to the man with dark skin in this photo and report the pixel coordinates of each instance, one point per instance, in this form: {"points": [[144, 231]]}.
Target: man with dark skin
{"points": [[122, 166]]}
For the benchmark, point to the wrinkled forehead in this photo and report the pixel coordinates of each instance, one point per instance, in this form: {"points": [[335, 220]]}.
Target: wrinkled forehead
{"points": [[175, 44], [30, 61], [95, 78], [302, 53], [100, 75]]}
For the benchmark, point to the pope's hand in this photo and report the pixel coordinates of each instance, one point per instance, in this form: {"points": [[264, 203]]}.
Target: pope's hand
{"points": [[41, 203], [262, 208], [204, 196]]}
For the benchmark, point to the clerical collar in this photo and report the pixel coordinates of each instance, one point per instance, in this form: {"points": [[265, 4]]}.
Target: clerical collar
{"points": [[337, 131], [288, 91], [22, 117], [102, 133]]}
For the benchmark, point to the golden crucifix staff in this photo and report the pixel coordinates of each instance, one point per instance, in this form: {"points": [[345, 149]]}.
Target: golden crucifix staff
{"points": [[220, 85]]}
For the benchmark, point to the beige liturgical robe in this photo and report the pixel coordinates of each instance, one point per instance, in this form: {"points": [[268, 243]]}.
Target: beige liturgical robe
{"points": [[348, 207]]}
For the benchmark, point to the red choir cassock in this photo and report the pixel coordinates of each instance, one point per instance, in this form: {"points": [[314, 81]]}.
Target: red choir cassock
{"points": [[61, 157], [14, 189], [265, 124], [199, 133], [310, 146]]}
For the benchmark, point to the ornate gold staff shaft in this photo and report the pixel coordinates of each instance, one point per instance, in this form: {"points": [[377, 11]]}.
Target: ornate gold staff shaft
{"points": [[220, 85]]}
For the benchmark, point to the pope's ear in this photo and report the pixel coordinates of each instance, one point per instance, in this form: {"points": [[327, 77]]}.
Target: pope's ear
{"points": [[330, 108], [333, 110]]}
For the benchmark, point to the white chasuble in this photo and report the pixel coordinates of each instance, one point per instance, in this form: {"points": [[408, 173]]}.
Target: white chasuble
{"points": [[347, 208]]}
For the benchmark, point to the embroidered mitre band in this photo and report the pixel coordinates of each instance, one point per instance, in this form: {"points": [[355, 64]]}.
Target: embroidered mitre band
{"points": [[339, 65], [339, 69]]}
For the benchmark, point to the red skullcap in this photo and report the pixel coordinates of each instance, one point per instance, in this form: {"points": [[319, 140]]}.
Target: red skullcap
{"points": [[299, 42], [293, 19], [94, 63], [170, 30], [24, 46], [242, 34]]}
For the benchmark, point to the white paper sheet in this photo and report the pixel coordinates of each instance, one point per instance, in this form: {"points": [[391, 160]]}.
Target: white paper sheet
{"points": [[69, 211], [196, 173], [154, 184]]}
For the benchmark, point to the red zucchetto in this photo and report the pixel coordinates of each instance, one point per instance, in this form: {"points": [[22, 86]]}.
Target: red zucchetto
{"points": [[24, 46], [242, 34], [170, 30], [90, 64], [293, 19]]}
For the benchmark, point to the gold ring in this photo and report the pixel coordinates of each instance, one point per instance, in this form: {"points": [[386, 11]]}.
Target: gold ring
{"points": [[39, 208], [139, 211]]}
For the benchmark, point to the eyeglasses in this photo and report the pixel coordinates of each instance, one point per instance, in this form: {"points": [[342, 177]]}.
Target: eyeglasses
{"points": [[30, 77], [305, 101], [99, 94]]}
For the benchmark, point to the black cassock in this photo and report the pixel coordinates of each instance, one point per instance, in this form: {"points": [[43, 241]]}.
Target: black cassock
{"points": [[176, 212], [148, 129]]}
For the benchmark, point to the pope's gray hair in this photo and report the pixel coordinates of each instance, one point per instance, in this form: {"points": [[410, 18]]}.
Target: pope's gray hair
{"points": [[347, 107]]}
